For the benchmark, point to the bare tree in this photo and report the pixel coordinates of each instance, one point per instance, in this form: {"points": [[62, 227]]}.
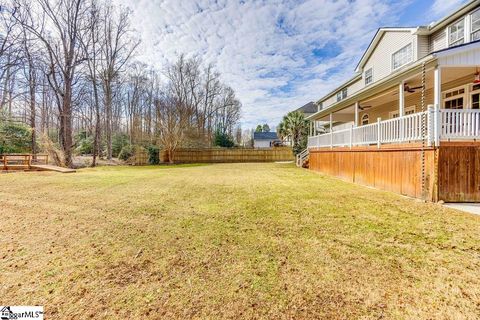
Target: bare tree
{"points": [[59, 26], [91, 45], [117, 49]]}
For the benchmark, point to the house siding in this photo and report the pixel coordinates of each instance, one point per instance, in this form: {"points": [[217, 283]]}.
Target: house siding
{"points": [[438, 40], [423, 46], [381, 58]]}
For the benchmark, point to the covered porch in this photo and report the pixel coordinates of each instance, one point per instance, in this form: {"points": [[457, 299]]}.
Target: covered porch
{"points": [[436, 101]]}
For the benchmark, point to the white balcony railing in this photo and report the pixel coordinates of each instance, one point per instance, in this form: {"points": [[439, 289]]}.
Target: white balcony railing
{"points": [[432, 125], [460, 124]]}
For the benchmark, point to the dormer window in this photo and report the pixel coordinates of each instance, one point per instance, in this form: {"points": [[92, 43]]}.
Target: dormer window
{"points": [[402, 57], [475, 29], [456, 33], [319, 106], [342, 94], [368, 76]]}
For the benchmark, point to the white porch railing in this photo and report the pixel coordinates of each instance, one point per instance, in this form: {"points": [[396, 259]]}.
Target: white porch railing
{"points": [[460, 124], [439, 125]]}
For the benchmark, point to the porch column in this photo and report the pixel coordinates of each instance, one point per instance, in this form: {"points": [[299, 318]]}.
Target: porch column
{"points": [[356, 114], [437, 100], [437, 86], [401, 99], [331, 130]]}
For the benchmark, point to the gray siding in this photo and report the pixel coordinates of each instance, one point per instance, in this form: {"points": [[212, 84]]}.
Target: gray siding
{"points": [[438, 40], [423, 46]]}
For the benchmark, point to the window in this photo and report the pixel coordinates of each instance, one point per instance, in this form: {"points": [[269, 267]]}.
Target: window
{"points": [[342, 94], [456, 33], [402, 57], [319, 106], [364, 119], [475, 29], [409, 110], [476, 96], [368, 76], [454, 99]]}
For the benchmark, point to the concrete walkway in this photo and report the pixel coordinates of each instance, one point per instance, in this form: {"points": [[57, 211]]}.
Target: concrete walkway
{"points": [[467, 207]]}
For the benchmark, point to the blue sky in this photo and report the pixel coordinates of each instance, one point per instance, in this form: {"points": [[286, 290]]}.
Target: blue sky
{"points": [[276, 54]]}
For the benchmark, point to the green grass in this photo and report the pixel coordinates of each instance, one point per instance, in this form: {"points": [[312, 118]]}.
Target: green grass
{"points": [[231, 241]]}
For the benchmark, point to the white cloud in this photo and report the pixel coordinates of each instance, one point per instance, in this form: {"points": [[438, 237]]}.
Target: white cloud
{"points": [[264, 49], [443, 7]]}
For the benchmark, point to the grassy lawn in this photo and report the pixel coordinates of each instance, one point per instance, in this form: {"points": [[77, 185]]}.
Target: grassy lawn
{"points": [[231, 241]]}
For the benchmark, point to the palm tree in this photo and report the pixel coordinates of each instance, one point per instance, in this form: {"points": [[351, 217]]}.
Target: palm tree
{"points": [[295, 126]]}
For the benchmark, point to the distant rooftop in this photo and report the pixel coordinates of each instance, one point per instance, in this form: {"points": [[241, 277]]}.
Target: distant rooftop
{"points": [[308, 108], [265, 136]]}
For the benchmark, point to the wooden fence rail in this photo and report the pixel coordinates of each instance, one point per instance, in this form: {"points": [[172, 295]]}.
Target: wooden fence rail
{"points": [[24, 160]]}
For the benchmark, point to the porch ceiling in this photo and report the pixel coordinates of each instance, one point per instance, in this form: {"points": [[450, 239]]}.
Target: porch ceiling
{"points": [[390, 96]]}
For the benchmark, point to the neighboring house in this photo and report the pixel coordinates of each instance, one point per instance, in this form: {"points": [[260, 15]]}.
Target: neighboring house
{"points": [[409, 119], [265, 139], [308, 109]]}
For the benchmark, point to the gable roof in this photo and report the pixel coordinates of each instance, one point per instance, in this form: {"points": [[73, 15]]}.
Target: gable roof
{"points": [[376, 40], [265, 136], [308, 108], [421, 30]]}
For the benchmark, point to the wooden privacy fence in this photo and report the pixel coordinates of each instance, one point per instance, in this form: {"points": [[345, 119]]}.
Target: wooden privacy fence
{"points": [[217, 155], [221, 155]]}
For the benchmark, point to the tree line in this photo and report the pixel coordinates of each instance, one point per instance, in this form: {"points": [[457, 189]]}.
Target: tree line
{"points": [[68, 69]]}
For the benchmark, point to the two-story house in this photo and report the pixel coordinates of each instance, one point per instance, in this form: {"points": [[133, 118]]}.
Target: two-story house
{"points": [[409, 119]]}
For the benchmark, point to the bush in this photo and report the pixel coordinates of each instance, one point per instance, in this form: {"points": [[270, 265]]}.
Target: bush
{"points": [[118, 142], [126, 153], [153, 155], [14, 137], [85, 144], [223, 140]]}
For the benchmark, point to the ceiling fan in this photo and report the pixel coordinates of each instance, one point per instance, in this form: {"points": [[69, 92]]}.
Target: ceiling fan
{"points": [[362, 108], [409, 89]]}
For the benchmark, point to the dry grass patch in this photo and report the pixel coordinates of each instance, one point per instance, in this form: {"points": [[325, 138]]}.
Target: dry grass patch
{"points": [[231, 241]]}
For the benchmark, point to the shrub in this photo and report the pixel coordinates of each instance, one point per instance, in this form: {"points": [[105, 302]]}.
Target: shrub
{"points": [[14, 137], [126, 153], [153, 155], [85, 144], [223, 140], [118, 142]]}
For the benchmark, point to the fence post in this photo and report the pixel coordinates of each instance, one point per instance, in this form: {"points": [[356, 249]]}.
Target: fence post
{"points": [[379, 132]]}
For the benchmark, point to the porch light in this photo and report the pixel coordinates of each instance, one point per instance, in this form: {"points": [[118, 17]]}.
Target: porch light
{"points": [[477, 77]]}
